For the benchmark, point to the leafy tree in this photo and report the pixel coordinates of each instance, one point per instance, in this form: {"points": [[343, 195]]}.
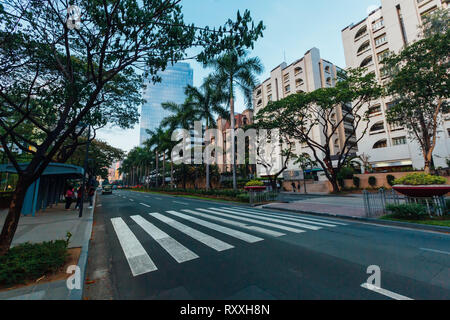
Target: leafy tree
{"points": [[420, 84], [101, 157], [55, 76], [304, 161], [207, 102], [298, 115], [235, 71]]}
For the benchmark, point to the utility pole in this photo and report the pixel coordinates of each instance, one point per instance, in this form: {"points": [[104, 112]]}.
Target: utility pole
{"points": [[83, 185]]}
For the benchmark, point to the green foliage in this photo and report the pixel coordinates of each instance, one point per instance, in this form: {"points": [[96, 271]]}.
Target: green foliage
{"points": [[372, 181], [31, 261], [415, 179], [390, 179], [356, 182], [254, 183], [243, 197], [411, 211]]}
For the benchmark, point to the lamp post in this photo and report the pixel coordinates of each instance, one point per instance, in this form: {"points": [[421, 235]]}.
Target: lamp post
{"points": [[83, 184]]}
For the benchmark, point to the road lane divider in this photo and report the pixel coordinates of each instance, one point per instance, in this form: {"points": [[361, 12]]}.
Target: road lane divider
{"points": [[384, 292]]}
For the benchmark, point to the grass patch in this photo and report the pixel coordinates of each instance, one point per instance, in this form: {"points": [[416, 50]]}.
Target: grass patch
{"points": [[436, 221], [27, 261]]}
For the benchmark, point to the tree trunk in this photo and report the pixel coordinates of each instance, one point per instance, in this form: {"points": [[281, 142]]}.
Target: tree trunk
{"points": [[164, 169], [233, 156], [12, 219], [157, 169]]}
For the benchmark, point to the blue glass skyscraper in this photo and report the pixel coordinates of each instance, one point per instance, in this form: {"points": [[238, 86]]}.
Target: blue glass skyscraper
{"points": [[171, 89]]}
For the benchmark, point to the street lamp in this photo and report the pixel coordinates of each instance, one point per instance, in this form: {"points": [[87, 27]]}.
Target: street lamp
{"points": [[83, 184]]}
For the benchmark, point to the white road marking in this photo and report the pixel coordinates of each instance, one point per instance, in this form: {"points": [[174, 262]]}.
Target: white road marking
{"points": [[137, 257], [237, 224], [283, 218], [295, 224], [99, 205], [184, 203], [144, 204], [385, 292], [179, 252], [158, 198], [231, 232], [253, 221], [434, 250], [211, 242], [131, 200], [303, 217]]}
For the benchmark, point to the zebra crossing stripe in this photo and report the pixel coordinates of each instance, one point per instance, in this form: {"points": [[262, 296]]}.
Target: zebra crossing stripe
{"points": [[295, 224], [207, 240], [179, 252], [143, 204], [253, 221], [285, 218], [137, 257], [231, 232], [302, 217], [237, 224]]}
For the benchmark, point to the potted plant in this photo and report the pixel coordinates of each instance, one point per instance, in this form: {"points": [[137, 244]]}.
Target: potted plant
{"points": [[421, 185], [254, 185]]}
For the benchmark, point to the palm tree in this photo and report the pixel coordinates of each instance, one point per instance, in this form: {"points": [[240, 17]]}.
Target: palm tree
{"points": [[236, 71], [207, 102]]}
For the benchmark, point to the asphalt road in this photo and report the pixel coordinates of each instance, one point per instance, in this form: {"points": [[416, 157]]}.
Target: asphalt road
{"points": [[164, 247]]}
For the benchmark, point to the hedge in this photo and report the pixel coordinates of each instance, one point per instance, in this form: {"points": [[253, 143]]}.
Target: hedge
{"points": [[415, 179]]}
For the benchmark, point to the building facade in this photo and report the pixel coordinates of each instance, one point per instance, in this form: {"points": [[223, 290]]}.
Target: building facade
{"points": [[174, 79], [388, 29], [307, 74]]}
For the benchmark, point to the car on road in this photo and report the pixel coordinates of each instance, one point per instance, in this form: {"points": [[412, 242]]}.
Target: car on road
{"points": [[107, 189]]}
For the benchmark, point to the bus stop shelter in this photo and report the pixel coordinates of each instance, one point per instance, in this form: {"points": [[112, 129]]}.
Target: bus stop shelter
{"points": [[46, 190]]}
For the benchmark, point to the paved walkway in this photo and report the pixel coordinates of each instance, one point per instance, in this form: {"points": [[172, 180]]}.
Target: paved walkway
{"points": [[52, 224], [344, 206]]}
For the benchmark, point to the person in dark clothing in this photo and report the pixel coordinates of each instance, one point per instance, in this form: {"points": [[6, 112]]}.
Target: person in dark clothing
{"points": [[91, 193], [69, 197], [293, 187], [79, 195]]}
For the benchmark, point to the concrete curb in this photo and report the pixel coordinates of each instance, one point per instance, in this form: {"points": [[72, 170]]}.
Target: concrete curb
{"points": [[409, 225], [77, 294]]}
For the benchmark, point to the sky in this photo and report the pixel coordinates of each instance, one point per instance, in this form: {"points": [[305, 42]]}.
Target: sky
{"points": [[292, 28]]}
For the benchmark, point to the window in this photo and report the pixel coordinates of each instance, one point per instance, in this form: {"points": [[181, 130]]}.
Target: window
{"points": [[380, 144], [364, 46], [377, 127], [286, 77], [329, 81], [382, 55], [269, 97], [361, 32], [374, 110], [448, 132], [378, 24], [259, 102], [287, 88], [327, 69], [269, 87], [391, 104], [298, 82], [258, 93], [399, 141], [366, 62], [380, 40], [298, 70]]}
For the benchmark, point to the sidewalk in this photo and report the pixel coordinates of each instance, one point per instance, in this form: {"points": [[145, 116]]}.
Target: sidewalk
{"points": [[53, 224], [330, 205]]}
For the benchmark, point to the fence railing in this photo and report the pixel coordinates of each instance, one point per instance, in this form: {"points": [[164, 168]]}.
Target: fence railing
{"points": [[375, 203], [258, 197]]}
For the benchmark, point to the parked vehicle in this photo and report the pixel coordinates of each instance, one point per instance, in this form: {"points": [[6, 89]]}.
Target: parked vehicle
{"points": [[107, 189]]}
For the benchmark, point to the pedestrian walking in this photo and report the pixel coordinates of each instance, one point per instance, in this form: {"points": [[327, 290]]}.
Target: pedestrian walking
{"points": [[69, 197], [91, 193], [79, 195], [293, 187]]}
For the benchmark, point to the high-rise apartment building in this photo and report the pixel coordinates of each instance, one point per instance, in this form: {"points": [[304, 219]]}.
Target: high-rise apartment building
{"points": [[388, 29], [174, 80], [304, 75]]}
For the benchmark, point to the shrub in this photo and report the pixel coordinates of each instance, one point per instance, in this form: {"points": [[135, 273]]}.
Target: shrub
{"points": [[372, 181], [356, 182], [412, 211], [31, 261], [415, 179], [254, 183], [244, 197], [390, 179]]}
